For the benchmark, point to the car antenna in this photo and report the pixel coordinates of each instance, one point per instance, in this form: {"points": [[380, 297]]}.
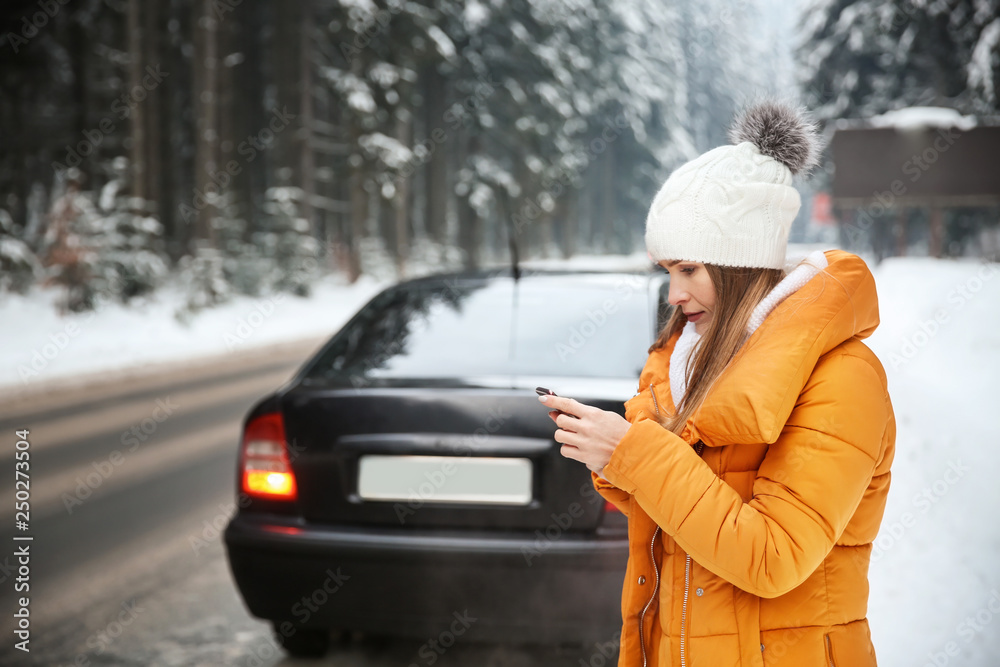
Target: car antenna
{"points": [[515, 267], [515, 270]]}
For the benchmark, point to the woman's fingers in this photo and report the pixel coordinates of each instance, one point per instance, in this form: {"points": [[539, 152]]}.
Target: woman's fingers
{"points": [[565, 437], [567, 405], [567, 422], [571, 452]]}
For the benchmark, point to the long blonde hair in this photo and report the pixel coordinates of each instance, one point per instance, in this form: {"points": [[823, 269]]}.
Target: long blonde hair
{"points": [[737, 293]]}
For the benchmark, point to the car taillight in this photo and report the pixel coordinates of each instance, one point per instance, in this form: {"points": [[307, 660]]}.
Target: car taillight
{"points": [[266, 470], [610, 507]]}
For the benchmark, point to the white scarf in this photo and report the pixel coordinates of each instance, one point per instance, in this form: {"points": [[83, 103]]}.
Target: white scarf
{"points": [[799, 270]]}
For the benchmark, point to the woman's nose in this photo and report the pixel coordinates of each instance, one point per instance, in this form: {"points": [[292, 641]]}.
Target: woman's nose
{"points": [[675, 296]]}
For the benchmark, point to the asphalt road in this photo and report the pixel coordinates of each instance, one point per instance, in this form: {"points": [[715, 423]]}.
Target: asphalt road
{"points": [[131, 483]]}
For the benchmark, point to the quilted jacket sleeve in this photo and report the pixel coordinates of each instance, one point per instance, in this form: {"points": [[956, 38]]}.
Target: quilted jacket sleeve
{"points": [[611, 493], [808, 487], [634, 409]]}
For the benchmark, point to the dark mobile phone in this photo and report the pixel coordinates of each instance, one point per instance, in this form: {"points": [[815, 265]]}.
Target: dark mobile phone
{"points": [[542, 391]]}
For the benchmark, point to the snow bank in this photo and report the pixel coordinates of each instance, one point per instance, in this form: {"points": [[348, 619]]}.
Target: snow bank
{"points": [[40, 347], [915, 118], [935, 579]]}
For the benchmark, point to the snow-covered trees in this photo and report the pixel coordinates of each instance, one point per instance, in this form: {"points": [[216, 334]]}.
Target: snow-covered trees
{"points": [[552, 121], [126, 241], [19, 268], [860, 58], [109, 249], [287, 243], [268, 141]]}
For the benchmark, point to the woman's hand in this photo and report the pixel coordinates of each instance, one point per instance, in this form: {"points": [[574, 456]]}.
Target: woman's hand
{"points": [[590, 435]]}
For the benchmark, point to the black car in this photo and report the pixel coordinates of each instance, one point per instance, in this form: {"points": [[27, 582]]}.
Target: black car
{"points": [[406, 481]]}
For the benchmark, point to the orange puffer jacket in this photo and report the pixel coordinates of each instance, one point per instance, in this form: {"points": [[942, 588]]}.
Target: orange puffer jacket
{"points": [[750, 534]]}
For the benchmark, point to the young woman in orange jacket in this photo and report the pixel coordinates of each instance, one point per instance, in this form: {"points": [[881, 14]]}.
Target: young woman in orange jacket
{"points": [[753, 463]]}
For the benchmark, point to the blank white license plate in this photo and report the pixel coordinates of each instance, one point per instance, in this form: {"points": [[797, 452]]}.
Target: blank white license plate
{"points": [[445, 479]]}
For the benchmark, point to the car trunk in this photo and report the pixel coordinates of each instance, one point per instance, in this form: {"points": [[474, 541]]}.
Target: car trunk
{"points": [[410, 456]]}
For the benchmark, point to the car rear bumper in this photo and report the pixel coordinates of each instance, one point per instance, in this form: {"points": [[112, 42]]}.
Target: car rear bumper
{"points": [[516, 586]]}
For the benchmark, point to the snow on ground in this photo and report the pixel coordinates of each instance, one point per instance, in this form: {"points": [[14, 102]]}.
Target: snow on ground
{"points": [[40, 346], [935, 575], [915, 118]]}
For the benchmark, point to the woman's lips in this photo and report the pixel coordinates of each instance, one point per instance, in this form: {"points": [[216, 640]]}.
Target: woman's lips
{"points": [[695, 316]]}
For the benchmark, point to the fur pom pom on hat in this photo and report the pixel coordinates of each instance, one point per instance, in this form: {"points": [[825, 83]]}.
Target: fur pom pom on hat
{"points": [[734, 205]]}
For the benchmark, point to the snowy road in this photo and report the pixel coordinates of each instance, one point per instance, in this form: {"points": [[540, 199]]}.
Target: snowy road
{"points": [[132, 483]]}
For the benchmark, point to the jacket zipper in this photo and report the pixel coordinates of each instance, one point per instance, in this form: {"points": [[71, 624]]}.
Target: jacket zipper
{"points": [[687, 586], [684, 605], [652, 558], [656, 586]]}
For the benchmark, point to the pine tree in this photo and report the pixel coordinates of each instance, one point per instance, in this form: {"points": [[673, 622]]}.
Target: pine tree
{"points": [[203, 281], [244, 266], [287, 241], [19, 267], [130, 259], [67, 256], [863, 58]]}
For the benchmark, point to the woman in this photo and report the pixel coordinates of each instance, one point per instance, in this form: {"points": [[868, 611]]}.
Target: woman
{"points": [[753, 463]]}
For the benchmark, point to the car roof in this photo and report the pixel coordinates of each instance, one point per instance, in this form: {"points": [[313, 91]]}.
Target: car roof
{"points": [[551, 277]]}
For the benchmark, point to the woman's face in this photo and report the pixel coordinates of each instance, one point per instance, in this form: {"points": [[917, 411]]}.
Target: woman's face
{"points": [[692, 290]]}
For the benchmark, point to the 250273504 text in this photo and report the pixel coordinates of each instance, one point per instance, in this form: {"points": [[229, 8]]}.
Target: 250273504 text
{"points": [[22, 540]]}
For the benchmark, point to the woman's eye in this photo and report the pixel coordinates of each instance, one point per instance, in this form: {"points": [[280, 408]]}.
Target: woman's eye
{"points": [[688, 270]]}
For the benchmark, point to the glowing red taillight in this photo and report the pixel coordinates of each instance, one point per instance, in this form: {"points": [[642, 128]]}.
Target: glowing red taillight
{"points": [[609, 507], [266, 470]]}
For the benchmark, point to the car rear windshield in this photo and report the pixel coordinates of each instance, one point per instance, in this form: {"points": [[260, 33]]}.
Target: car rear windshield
{"points": [[566, 326]]}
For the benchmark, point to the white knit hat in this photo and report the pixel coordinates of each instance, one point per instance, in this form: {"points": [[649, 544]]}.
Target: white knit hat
{"points": [[734, 205]]}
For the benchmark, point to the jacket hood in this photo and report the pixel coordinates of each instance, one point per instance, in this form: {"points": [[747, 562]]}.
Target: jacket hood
{"points": [[754, 396]]}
